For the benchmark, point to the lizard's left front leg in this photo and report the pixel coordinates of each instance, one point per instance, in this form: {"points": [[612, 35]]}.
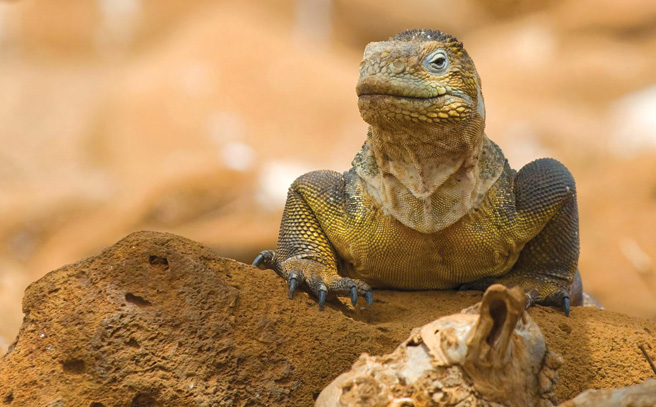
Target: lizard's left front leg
{"points": [[545, 193], [304, 255]]}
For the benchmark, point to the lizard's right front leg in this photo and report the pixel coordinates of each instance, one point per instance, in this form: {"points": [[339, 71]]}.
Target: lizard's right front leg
{"points": [[304, 255]]}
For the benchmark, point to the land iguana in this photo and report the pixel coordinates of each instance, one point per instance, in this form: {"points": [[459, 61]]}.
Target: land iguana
{"points": [[430, 202]]}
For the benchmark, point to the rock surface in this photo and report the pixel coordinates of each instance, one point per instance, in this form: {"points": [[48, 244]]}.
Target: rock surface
{"points": [[159, 320], [640, 395]]}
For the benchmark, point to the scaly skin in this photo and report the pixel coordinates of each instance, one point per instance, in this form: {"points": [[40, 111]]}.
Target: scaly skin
{"points": [[431, 202]]}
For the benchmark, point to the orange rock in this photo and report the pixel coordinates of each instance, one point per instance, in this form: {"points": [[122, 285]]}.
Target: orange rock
{"points": [[159, 319]]}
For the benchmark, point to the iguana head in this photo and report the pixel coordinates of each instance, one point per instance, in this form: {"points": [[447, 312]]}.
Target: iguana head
{"points": [[419, 76]]}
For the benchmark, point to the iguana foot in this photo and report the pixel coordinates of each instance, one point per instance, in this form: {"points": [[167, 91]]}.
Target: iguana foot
{"points": [[541, 292], [319, 279]]}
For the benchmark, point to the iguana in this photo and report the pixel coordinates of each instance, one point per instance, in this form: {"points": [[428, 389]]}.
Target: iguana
{"points": [[430, 202]]}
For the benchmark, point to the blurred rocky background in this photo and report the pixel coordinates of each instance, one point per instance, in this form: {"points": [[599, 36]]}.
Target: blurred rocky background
{"points": [[194, 117]]}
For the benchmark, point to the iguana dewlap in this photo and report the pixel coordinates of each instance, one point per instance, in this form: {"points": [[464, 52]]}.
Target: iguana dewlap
{"points": [[430, 202]]}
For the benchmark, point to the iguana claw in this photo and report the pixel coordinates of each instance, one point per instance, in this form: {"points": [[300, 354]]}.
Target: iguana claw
{"points": [[322, 299], [354, 295], [292, 287], [258, 260], [266, 260], [566, 305], [369, 297]]}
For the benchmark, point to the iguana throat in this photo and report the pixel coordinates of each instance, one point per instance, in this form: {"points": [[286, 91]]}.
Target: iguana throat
{"points": [[426, 186]]}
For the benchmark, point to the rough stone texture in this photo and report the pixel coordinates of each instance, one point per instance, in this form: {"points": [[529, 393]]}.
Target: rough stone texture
{"points": [[159, 320], [640, 395]]}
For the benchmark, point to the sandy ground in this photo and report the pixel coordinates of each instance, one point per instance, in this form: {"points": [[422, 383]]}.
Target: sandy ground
{"points": [[195, 117]]}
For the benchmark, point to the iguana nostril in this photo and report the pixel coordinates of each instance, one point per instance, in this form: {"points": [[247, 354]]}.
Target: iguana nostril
{"points": [[397, 66]]}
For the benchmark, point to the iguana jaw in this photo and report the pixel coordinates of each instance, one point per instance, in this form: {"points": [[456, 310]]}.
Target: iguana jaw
{"points": [[381, 109], [381, 101]]}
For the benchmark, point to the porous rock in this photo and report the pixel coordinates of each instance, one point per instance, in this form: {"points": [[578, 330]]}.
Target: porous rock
{"points": [[640, 395], [159, 320]]}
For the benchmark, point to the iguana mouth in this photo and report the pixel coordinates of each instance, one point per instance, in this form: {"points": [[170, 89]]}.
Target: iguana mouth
{"points": [[377, 86], [400, 96]]}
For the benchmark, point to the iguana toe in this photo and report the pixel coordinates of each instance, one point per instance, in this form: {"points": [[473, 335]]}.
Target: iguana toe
{"points": [[560, 299], [354, 296], [369, 297], [322, 298], [340, 287], [259, 260], [293, 281], [266, 260]]}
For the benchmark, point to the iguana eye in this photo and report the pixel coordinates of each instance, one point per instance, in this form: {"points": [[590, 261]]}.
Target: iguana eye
{"points": [[437, 62]]}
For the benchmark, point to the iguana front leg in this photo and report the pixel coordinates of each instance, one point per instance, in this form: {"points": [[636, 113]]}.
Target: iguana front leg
{"points": [[304, 254], [545, 193]]}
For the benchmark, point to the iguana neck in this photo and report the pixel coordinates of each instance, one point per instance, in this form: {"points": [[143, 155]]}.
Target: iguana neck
{"points": [[424, 161], [427, 179]]}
